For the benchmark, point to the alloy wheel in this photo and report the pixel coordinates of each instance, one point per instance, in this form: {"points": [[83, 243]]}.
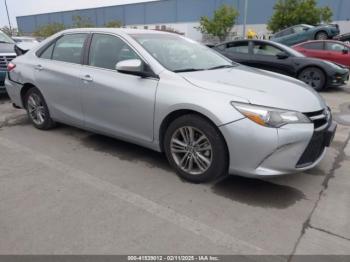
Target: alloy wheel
{"points": [[36, 109], [191, 150]]}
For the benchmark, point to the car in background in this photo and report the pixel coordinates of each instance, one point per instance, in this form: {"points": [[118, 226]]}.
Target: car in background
{"points": [[7, 54], [25, 39], [331, 50], [301, 33], [343, 38], [275, 57], [210, 116]]}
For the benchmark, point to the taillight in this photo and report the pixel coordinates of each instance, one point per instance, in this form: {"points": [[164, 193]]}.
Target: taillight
{"points": [[10, 66]]}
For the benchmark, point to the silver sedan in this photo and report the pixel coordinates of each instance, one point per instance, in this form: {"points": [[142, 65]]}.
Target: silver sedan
{"points": [[210, 117]]}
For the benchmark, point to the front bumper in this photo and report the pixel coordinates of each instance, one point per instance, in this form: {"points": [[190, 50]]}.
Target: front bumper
{"points": [[339, 79], [257, 151]]}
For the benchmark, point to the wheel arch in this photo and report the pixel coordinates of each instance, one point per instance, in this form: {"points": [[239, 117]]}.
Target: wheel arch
{"points": [[24, 90], [321, 31], [173, 115]]}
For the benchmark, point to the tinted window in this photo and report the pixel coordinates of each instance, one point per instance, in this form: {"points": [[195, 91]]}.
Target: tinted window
{"points": [[285, 32], [107, 50], [69, 48], [314, 46], [242, 48], [265, 49], [48, 52], [335, 47]]}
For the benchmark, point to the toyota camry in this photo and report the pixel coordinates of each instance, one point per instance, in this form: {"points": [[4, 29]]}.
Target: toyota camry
{"points": [[210, 116]]}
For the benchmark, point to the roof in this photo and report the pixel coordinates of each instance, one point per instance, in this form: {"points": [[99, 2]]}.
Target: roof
{"points": [[117, 31]]}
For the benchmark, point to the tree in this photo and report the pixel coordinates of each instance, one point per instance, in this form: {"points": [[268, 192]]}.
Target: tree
{"points": [[292, 12], [113, 24], [81, 22], [221, 24], [48, 30], [8, 31]]}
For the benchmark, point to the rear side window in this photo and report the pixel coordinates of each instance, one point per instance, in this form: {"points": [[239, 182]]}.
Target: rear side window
{"points": [[69, 48], [47, 54], [107, 50], [314, 46], [242, 48]]}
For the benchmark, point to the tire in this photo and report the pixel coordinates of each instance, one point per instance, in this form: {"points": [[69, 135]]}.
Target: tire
{"points": [[321, 36], [314, 77], [37, 110], [200, 159]]}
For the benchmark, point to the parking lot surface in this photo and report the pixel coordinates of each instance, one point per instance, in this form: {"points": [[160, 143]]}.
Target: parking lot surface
{"points": [[67, 191]]}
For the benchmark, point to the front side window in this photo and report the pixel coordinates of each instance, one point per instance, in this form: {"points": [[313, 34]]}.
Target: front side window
{"points": [[266, 49], [242, 48], [335, 47], [107, 50], [69, 48], [314, 46], [179, 54]]}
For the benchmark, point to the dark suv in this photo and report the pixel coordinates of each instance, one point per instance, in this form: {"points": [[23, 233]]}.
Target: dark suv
{"points": [[7, 53]]}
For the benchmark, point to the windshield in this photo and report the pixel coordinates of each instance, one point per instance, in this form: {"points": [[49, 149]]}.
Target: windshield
{"points": [[179, 54], [5, 39]]}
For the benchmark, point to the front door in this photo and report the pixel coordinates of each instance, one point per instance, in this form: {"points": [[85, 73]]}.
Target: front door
{"points": [[116, 103]]}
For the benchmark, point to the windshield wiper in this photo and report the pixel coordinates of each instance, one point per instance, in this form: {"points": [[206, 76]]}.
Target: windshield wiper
{"points": [[4, 42], [221, 66], [188, 70]]}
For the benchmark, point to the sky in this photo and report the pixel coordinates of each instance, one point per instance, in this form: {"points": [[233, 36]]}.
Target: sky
{"points": [[28, 7]]}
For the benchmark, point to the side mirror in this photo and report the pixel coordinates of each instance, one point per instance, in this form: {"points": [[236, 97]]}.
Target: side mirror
{"points": [[306, 29], [345, 51], [282, 55], [134, 67]]}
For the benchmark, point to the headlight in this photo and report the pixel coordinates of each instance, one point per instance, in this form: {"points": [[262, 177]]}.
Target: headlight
{"points": [[270, 117]]}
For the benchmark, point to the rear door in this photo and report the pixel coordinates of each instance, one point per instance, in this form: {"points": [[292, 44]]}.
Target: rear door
{"points": [[314, 49], [58, 76], [238, 51]]}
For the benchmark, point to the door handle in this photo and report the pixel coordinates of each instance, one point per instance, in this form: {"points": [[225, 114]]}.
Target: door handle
{"points": [[39, 67], [87, 78]]}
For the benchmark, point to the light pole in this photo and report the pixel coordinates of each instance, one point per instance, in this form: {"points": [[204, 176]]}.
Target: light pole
{"points": [[245, 17], [8, 17]]}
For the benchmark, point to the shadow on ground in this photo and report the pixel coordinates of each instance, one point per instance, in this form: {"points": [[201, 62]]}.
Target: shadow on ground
{"points": [[255, 192], [4, 98], [126, 151]]}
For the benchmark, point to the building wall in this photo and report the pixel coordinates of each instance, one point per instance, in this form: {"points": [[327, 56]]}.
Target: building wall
{"points": [[183, 14]]}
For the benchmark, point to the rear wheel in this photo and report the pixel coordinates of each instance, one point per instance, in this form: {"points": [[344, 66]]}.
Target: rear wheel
{"points": [[321, 36], [196, 149], [314, 77], [37, 109]]}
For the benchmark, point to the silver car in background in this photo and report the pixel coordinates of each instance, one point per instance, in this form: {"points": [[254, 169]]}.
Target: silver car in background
{"points": [[211, 117]]}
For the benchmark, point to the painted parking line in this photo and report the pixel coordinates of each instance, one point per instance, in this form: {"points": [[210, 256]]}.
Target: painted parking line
{"points": [[217, 237]]}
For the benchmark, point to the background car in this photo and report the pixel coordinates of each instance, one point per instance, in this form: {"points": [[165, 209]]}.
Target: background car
{"points": [[301, 33], [25, 39], [343, 38], [173, 95], [7, 54], [330, 50], [282, 59]]}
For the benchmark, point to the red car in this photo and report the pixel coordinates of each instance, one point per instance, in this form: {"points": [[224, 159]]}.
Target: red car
{"points": [[330, 50]]}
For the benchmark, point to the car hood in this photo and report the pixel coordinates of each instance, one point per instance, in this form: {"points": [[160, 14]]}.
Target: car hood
{"points": [[259, 87], [7, 48]]}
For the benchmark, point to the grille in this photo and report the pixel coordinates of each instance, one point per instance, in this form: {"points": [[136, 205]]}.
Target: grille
{"points": [[4, 60], [319, 118], [313, 151]]}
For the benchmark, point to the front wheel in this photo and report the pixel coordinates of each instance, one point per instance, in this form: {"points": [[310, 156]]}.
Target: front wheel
{"points": [[314, 77], [196, 149], [37, 109]]}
